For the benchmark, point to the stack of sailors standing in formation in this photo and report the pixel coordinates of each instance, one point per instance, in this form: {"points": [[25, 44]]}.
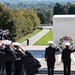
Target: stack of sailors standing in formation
{"points": [[13, 59]]}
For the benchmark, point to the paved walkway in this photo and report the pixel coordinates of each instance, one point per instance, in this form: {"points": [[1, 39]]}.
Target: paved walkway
{"points": [[46, 27], [58, 65], [33, 47], [35, 38]]}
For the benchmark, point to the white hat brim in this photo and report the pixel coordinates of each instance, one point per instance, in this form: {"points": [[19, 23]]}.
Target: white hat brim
{"points": [[67, 44], [16, 44], [6, 42]]}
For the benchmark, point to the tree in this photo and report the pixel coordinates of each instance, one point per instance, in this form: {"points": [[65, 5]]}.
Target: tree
{"points": [[59, 9], [19, 22], [71, 10], [42, 16], [49, 15]]}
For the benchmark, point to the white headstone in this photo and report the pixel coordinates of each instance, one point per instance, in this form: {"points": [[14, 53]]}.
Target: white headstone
{"points": [[63, 25]]}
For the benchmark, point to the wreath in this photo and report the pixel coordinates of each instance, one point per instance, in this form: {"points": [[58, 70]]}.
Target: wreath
{"points": [[65, 39]]}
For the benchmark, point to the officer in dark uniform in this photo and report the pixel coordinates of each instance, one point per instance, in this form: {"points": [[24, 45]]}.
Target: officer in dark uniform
{"points": [[50, 57], [66, 58], [10, 67], [27, 42], [6, 54], [18, 63]]}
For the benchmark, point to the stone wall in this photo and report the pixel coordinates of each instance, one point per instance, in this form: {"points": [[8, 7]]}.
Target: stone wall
{"points": [[63, 25]]}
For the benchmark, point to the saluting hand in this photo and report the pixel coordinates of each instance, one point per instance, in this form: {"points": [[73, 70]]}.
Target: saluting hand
{"points": [[45, 59]]}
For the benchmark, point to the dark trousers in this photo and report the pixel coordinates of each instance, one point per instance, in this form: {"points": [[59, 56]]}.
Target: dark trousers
{"points": [[67, 67], [10, 67], [50, 66]]}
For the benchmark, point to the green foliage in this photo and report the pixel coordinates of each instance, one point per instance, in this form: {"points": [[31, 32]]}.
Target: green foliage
{"points": [[29, 35], [44, 40], [5, 20], [19, 22], [69, 8], [45, 9], [45, 15], [59, 9]]}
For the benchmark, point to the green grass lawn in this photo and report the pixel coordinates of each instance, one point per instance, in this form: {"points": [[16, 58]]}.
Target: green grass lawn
{"points": [[29, 35], [44, 40]]}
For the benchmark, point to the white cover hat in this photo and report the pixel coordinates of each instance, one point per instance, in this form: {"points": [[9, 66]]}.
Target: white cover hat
{"points": [[50, 42], [67, 43], [6, 42], [16, 43]]}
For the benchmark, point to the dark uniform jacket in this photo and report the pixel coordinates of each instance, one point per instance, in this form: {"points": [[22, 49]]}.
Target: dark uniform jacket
{"points": [[50, 54], [66, 54], [19, 64], [10, 68], [6, 54]]}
